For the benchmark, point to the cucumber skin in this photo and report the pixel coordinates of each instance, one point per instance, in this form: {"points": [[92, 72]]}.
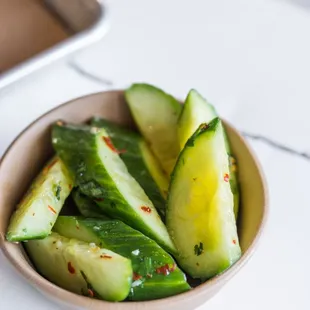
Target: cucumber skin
{"points": [[86, 206], [77, 147], [28, 200], [233, 166], [122, 239], [211, 127], [129, 142]]}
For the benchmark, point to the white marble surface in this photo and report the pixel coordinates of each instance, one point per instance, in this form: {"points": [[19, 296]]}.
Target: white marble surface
{"points": [[251, 59]]}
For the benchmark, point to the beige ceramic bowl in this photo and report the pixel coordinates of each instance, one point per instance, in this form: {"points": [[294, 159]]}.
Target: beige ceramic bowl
{"points": [[25, 157]]}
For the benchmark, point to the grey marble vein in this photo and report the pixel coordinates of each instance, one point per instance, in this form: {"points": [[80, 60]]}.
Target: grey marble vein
{"points": [[276, 145], [85, 73]]}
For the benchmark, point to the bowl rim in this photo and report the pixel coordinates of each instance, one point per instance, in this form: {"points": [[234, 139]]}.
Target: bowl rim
{"points": [[62, 295]]}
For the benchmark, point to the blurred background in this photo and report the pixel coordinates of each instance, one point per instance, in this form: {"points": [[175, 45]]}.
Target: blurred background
{"points": [[248, 58]]}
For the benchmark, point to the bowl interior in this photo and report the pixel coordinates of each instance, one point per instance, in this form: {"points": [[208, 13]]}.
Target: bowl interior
{"points": [[26, 156]]}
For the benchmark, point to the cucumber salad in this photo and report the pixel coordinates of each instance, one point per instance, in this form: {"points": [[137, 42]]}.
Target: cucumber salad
{"points": [[152, 212]]}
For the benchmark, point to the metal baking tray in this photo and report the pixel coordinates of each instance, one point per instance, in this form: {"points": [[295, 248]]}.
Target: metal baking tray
{"points": [[58, 28]]}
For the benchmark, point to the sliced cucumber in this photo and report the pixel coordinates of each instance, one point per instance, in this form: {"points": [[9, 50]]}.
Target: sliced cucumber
{"points": [[109, 274], [102, 175], [81, 267], [155, 272], [156, 172], [37, 212], [198, 110], [156, 114], [86, 206], [140, 162], [200, 215], [48, 257]]}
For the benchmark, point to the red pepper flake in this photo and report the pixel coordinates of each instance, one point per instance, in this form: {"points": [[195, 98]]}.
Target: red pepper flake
{"points": [[173, 267], [105, 256], [163, 270], [166, 269], [99, 199], [52, 209], [226, 177], [71, 268], [90, 293], [234, 241], [52, 163], [109, 143], [146, 209], [136, 276], [204, 126], [33, 214], [70, 186], [47, 168]]}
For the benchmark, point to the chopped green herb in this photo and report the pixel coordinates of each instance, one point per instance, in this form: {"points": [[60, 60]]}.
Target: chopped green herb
{"points": [[90, 291], [57, 191], [198, 249], [190, 142], [148, 267]]}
